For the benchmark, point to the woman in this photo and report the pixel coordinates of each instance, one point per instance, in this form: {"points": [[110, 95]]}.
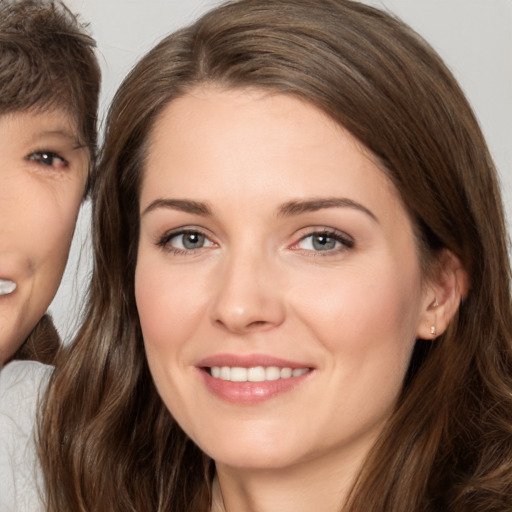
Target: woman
{"points": [[49, 86], [301, 294]]}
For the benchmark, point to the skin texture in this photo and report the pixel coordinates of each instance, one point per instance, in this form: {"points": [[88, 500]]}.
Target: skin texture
{"points": [[42, 179], [258, 287]]}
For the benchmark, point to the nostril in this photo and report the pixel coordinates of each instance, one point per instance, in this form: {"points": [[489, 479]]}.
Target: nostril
{"points": [[257, 323], [242, 327]]}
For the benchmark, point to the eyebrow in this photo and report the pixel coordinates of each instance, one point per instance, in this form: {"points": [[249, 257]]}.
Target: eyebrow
{"points": [[312, 205], [73, 137], [288, 209], [184, 205]]}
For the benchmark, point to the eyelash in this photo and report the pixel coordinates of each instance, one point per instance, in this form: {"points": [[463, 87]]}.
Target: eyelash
{"points": [[346, 242], [46, 158], [164, 241]]}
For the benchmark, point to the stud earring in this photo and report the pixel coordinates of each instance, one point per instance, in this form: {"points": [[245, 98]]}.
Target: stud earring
{"points": [[435, 304], [433, 330]]}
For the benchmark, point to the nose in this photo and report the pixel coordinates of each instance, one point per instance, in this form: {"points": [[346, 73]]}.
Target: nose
{"points": [[247, 296]]}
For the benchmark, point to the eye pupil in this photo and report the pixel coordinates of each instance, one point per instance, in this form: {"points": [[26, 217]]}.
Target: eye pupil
{"points": [[193, 240], [46, 158], [323, 242]]}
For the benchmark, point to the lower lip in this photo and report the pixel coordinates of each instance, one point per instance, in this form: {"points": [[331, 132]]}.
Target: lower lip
{"points": [[8, 297], [250, 392]]}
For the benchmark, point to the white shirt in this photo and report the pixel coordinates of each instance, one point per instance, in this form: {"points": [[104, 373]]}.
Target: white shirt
{"points": [[22, 384]]}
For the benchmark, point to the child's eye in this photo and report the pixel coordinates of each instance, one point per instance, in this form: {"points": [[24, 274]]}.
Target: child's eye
{"points": [[185, 241], [325, 241], [48, 159]]}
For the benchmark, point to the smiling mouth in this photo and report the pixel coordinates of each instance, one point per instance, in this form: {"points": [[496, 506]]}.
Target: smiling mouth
{"points": [[254, 374], [7, 287]]}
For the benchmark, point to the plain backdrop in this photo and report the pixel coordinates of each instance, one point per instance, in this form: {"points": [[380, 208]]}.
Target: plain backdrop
{"points": [[474, 37]]}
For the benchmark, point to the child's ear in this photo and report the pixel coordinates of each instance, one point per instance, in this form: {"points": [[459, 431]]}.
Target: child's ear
{"points": [[447, 286]]}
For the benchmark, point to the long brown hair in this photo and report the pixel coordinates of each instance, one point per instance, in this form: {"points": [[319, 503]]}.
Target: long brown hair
{"points": [[107, 441], [47, 61]]}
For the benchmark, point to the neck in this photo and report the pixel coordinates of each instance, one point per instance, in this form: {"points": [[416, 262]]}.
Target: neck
{"points": [[306, 487]]}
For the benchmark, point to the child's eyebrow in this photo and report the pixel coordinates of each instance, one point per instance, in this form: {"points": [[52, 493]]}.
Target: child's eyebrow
{"points": [[60, 133]]}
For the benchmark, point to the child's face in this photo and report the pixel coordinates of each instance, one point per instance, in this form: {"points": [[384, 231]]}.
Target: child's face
{"points": [[43, 170]]}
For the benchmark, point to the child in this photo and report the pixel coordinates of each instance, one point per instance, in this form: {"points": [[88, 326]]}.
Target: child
{"points": [[49, 86]]}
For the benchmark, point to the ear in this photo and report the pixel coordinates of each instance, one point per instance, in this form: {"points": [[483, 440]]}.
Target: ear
{"points": [[443, 293]]}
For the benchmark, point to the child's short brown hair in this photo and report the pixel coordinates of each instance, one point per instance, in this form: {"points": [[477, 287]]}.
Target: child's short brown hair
{"points": [[47, 60]]}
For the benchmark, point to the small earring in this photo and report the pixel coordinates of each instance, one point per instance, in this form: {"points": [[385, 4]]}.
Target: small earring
{"points": [[435, 304], [433, 330]]}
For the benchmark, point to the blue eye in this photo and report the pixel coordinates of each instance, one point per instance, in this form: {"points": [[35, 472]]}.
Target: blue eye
{"points": [[325, 242], [185, 241], [48, 159]]}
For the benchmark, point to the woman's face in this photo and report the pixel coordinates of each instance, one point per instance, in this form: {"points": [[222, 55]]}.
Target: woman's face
{"points": [[278, 282], [42, 177]]}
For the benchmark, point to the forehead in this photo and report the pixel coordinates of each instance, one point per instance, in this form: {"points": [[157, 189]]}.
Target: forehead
{"points": [[205, 106], [247, 144]]}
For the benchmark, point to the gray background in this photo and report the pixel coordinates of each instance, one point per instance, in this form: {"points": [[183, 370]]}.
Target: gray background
{"points": [[473, 36]]}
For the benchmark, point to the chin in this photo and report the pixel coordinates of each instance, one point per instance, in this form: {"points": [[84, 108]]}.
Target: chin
{"points": [[252, 455]]}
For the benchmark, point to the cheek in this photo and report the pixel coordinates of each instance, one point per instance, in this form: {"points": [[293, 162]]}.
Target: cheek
{"points": [[51, 234], [168, 303], [364, 311], [38, 241], [38, 232], [170, 310]]}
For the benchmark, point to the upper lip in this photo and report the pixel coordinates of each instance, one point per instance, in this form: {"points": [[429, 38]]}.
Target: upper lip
{"points": [[249, 361]]}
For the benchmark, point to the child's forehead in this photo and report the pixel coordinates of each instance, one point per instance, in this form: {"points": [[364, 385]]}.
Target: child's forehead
{"points": [[49, 110], [35, 124]]}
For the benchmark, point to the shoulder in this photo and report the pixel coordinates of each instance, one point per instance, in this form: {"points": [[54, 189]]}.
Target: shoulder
{"points": [[23, 375], [22, 385]]}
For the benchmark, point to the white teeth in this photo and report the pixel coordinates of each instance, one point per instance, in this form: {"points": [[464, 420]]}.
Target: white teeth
{"points": [[272, 373], [286, 373], [238, 375], [7, 287], [255, 374]]}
